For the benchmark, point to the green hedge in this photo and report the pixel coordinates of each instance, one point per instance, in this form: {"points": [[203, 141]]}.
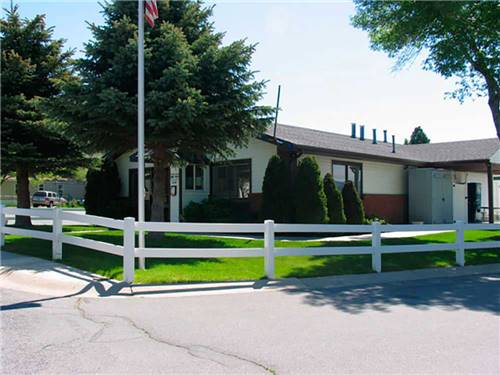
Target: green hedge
{"points": [[215, 210]]}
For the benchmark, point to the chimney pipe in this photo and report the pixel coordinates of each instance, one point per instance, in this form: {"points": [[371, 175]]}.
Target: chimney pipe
{"points": [[361, 132], [353, 130], [393, 144], [385, 136], [374, 141]]}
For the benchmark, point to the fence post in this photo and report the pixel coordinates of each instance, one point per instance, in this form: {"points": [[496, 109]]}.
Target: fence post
{"points": [[376, 243], [128, 249], [56, 235], [460, 244], [269, 248], [2, 223]]}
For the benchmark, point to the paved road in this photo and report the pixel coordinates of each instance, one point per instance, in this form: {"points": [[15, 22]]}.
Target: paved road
{"points": [[448, 325]]}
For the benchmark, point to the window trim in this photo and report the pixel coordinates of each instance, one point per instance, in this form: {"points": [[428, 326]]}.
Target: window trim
{"points": [[231, 162], [347, 163]]}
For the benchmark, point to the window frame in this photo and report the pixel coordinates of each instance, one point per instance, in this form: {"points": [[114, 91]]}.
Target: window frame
{"points": [[194, 188], [231, 163], [346, 164]]}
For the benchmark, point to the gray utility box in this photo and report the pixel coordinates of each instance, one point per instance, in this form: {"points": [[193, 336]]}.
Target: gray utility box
{"points": [[430, 195]]}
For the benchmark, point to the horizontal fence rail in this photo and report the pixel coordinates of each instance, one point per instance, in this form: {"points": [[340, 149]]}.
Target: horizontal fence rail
{"points": [[129, 252], [94, 220], [199, 227], [200, 253]]}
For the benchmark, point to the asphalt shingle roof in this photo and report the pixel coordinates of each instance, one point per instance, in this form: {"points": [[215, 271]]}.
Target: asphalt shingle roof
{"points": [[474, 150]]}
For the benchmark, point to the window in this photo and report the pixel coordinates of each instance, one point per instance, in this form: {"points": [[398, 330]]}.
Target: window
{"points": [[194, 177], [231, 180], [347, 171]]}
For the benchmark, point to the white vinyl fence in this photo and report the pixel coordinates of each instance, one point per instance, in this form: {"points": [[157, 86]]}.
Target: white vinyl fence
{"points": [[268, 229]]}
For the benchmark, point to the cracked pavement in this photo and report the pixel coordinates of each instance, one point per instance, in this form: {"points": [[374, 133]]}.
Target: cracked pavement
{"points": [[448, 325]]}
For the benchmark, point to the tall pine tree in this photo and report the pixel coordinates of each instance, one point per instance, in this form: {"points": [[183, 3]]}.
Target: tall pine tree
{"points": [[34, 66], [200, 95]]}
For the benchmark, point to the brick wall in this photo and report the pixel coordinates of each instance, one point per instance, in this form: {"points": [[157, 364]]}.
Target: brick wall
{"points": [[393, 208]]}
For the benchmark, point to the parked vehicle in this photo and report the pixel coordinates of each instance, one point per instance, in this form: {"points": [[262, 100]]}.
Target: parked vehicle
{"points": [[47, 199]]}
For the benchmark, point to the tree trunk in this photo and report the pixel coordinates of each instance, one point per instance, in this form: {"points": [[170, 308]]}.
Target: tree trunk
{"points": [[161, 162], [23, 194], [494, 103]]}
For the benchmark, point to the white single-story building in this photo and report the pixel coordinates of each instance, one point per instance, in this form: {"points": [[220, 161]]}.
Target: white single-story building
{"points": [[437, 182]]}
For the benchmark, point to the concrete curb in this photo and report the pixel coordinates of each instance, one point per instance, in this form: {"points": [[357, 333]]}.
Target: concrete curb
{"points": [[43, 277]]}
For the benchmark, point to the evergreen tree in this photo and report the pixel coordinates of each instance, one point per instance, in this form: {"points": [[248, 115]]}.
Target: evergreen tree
{"points": [[353, 206], [418, 137], [200, 95], [276, 191], [103, 187], [33, 67], [334, 201], [310, 199]]}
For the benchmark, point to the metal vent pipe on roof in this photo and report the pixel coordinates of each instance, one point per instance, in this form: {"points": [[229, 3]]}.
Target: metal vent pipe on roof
{"points": [[361, 132], [374, 141], [353, 130], [385, 136], [393, 144]]}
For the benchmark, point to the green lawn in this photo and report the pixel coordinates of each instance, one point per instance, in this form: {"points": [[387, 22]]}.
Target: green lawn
{"points": [[223, 269]]}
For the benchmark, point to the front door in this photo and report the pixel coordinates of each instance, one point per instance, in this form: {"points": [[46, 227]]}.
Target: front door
{"points": [[474, 201]]}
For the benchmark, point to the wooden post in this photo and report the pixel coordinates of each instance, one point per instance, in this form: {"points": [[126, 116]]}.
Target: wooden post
{"points": [[376, 243], [56, 235], [128, 249], [460, 244], [269, 248]]}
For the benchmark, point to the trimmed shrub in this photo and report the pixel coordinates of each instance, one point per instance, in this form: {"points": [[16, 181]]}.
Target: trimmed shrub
{"points": [[310, 199], [215, 210], [334, 201], [276, 191], [353, 206]]}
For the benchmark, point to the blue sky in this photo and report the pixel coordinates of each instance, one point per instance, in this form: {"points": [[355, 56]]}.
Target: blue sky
{"points": [[329, 75]]}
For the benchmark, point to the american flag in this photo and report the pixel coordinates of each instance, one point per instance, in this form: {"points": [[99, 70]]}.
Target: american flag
{"points": [[151, 12]]}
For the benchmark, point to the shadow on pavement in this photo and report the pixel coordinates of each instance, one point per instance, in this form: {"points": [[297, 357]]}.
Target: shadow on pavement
{"points": [[477, 293]]}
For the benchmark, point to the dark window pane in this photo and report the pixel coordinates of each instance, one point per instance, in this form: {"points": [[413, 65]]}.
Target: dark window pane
{"points": [[232, 180], [189, 177], [199, 178]]}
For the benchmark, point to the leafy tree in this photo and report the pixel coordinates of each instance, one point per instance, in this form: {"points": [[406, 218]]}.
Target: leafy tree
{"points": [[334, 201], [200, 95], [310, 199], [276, 191], [353, 206], [33, 67], [460, 39]]}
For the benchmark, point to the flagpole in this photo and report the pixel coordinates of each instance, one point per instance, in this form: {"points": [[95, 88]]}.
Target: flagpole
{"points": [[140, 126]]}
